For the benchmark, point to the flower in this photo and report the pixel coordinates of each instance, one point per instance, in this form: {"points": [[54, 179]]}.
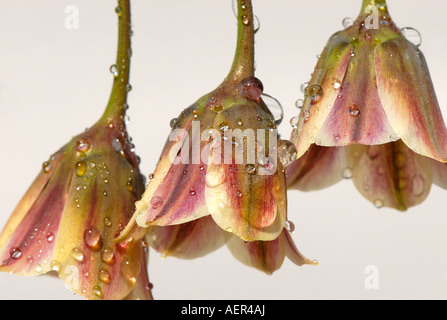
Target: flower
{"points": [[230, 174], [81, 200], [370, 114], [199, 237]]}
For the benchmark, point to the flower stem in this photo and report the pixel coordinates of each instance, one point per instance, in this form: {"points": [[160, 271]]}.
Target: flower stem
{"points": [[243, 63], [379, 4], [121, 69]]}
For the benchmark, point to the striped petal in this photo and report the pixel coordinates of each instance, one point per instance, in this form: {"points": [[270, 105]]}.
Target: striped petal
{"points": [[318, 168], [322, 92], [267, 256], [409, 99], [188, 240], [246, 196], [70, 225], [392, 175]]}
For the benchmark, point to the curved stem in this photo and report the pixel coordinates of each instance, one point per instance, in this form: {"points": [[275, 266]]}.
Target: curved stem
{"points": [[121, 69], [243, 63]]}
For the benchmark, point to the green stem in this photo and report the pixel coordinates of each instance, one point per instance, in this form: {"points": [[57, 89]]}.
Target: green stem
{"points": [[243, 63], [380, 4], [121, 86]]}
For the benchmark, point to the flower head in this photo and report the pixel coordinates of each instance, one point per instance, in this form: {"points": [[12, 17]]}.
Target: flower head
{"points": [[223, 162], [370, 113], [81, 200], [202, 236]]}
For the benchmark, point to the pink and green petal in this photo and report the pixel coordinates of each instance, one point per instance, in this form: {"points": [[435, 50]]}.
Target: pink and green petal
{"points": [[392, 175], [322, 92], [244, 197], [189, 240], [357, 115], [318, 168], [408, 98]]}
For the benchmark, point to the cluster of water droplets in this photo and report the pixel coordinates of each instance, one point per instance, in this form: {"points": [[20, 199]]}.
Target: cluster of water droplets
{"points": [[245, 20]]}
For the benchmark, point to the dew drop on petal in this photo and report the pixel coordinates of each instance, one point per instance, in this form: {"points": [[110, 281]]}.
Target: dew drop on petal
{"points": [[82, 145], [378, 203], [107, 255], [78, 255], [299, 103], [156, 202], [286, 152], [116, 144], [130, 268], [347, 173], [275, 108], [92, 237], [50, 236], [55, 265], [251, 88], [81, 168], [97, 291], [412, 35], [250, 169], [336, 84], [347, 22], [354, 110], [104, 276], [290, 226], [173, 123], [46, 166], [15, 253], [315, 93]]}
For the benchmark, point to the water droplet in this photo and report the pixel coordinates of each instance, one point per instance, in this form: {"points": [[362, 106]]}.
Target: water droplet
{"points": [[294, 122], [336, 84], [116, 144], [15, 253], [418, 185], [286, 152], [141, 206], [275, 108], [347, 173], [114, 70], [92, 238], [104, 276], [173, 123], [378, 203], [50, 236], [245, 20], [299, 103], [217, 108], [315, 93], [412, 35], [239, 194], [97, 291], [128, 87], [130, 268], [107, 255], [250, 169], [290, 226], [156, 202], [354, 110], [81, 168], [239, 122], [256, 24], [251, 88], [119, 11], [306, 115], [107, 222], [192, 192], [78, 255], [304, 86], [347, 22], [38, 268], [55, 265], [46, 166]]}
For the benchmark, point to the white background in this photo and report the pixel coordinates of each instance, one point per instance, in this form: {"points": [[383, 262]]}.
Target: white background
{"points": [[55, 82]]}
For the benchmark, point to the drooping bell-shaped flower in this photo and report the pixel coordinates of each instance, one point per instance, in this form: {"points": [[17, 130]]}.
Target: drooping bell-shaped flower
{"points": [[202, 236], [223, 163], [370, 113], [81, 200]]}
